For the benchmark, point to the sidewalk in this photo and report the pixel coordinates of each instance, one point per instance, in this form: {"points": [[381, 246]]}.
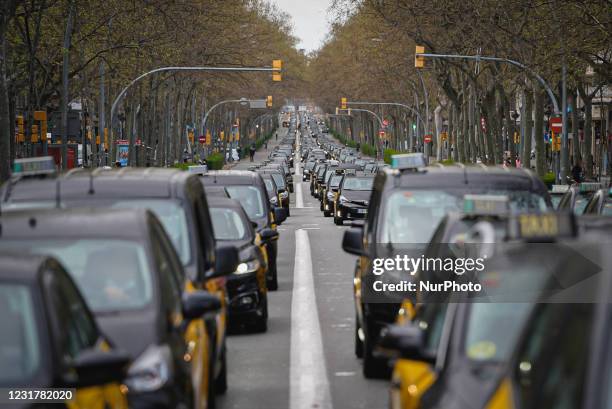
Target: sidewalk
{"points": [[260, 155]]}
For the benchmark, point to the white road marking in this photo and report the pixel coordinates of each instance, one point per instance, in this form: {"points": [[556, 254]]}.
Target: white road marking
{"points": [[299, 197], [346, 373], [309, 386]]}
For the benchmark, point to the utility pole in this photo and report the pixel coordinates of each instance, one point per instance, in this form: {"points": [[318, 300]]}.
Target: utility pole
{"points": [[65, 68]]}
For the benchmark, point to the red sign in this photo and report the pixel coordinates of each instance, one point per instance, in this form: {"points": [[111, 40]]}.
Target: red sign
{"points": [[122, 142], [202, 139], [483, 124], [556, 124], [138, 142], [427, 138], [385, 123]]}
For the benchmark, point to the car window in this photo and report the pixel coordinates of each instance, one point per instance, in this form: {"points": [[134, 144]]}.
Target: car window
{"points": [[77, 330], [250, 198], [335, 181], [19, 341], [227, 224], [172, 215], [112, 275], [169, 278], [551, 364], [358, 184]]}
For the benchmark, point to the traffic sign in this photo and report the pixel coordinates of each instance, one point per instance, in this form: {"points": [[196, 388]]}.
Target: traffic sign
{"points": [[385, 123], [427, 138], [556, 124], [202, 139]]}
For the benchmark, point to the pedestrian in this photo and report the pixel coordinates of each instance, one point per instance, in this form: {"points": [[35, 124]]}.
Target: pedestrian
{"points": [[276, 135], [252, 152], [266, 144], [577, 172]]}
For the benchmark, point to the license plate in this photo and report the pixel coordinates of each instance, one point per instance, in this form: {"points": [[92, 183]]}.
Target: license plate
{"points": [[362, 211]]}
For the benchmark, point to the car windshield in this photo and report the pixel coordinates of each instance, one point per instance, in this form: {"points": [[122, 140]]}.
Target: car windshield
{"points": [[270, 186], [335, 181], [309, 165], [279, 180], [356, 183], [112, 275], [607, 209], [580, 204], [227, 224], [250, 198], [20, 356], [173, 218]]}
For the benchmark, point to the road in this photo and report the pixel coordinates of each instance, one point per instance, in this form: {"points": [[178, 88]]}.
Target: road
{"points": [[280, 369]]}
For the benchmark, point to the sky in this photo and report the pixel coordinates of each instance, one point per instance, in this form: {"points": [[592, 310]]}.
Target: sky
{"points": [[310, 20]]}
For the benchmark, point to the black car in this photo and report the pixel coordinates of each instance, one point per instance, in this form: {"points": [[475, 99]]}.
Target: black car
{"points": [[353, 197], [281, 186], [50, 338], [178, 200], [246, 287], [406, 206], [131, 277], [250, 190]]}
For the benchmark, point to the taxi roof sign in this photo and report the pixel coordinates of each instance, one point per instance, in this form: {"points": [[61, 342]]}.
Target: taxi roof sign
{"points": [[542, 226], [586, 187], [485, 205], [197, 169], [408, 161], [42, 165], [559, 189]]}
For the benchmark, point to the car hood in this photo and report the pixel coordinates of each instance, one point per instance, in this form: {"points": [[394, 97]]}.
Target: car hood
{"points": [[358, 196], [131, 332]]}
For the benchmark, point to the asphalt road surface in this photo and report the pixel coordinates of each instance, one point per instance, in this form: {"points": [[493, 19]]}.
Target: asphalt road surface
{"points": [[311, 316]]}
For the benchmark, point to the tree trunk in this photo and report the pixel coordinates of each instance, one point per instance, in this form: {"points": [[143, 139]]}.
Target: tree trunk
{"points": [[526, 153], [540, 147], [7, 10], [575, 126]]}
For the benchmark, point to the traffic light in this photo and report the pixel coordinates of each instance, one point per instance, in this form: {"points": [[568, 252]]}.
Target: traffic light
{"points": [[277, 66], [343, 103], [419, 61], [269, 101]]}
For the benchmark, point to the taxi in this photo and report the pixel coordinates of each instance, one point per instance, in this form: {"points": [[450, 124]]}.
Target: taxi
{"points": [[453, 354], [250, 190], [577, 196], [563, 357], [178, 200], [43, 318], [246, 286], [353, 196], [330, 195], [407, 203], [132, 279]]}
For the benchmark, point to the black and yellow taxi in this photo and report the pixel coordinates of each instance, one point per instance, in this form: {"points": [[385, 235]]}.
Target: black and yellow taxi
{"points": [[331, 193], [246, 286], [407, 203], [50, 339], [454, 353], [577, 196], [131, 277], [250, 190], [600, 203], [353, 198], [282, 195], [563, 357], [178, 200]]}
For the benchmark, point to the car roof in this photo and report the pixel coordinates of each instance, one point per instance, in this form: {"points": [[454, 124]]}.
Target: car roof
{"points": [[130, 182], [92, 223], [230, 177], [456, 176], [21, 267]]}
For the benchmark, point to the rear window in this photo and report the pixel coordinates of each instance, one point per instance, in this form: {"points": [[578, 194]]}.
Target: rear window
{"points": [[358, 183], [250, 198], [227, 224]]}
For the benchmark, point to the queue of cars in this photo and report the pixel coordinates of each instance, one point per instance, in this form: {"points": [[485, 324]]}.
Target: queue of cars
{"points": [[540, 337], [127, 281]]}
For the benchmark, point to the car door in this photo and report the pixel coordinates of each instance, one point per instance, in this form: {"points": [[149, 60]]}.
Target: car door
{"points": [[75, 332]]}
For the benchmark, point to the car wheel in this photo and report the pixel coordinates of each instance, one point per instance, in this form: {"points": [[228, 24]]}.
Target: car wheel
{"points": [[373, 368], [326, 213], [337, 221], [290, 188], [358, 341], [221, 381], [272, 282]]}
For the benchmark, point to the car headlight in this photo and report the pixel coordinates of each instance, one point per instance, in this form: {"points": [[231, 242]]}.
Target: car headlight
{"points": [[274, 200], [284, 194], [343, 200], [248, 267], [330, 195], [151, 370]]}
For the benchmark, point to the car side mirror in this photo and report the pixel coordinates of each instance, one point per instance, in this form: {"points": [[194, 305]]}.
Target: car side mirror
{"points": [[268, 234], [96, 367], [198, 304], [280, 215], [404, 341], [226, 260], [254, 224], [352, 242]]}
